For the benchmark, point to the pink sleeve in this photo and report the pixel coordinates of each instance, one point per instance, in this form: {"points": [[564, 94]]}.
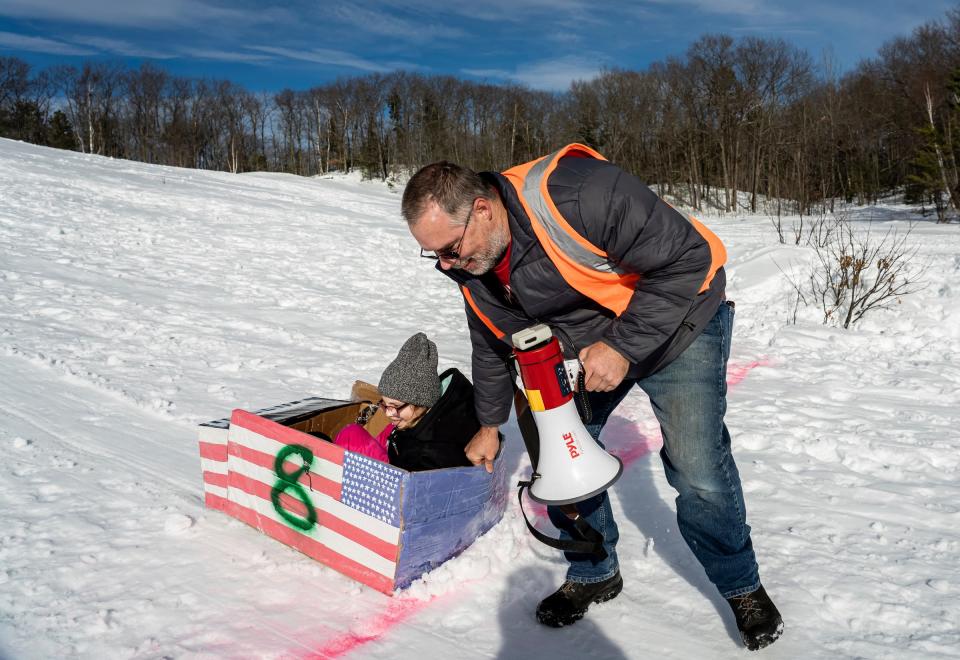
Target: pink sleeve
{"points": [[384, 434], [355, 438]]}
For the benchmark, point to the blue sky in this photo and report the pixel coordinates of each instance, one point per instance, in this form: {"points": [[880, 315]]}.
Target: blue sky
{"points": [[543, 44]]}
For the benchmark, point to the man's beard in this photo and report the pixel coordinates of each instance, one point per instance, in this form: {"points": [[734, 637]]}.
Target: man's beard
{"points": [[484, 260]]}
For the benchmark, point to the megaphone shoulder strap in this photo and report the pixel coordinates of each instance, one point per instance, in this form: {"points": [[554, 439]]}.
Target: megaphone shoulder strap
{"points": [[586, 540]]}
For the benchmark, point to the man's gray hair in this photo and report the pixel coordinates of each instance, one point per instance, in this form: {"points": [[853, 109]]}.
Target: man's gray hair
{"points": [[451, 186]]}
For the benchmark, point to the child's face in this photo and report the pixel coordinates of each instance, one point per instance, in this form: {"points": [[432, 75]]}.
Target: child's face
{"points": [[403, 414]]}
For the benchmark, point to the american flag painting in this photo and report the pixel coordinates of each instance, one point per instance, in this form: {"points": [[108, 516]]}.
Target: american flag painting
{"points": [[373, 522]]}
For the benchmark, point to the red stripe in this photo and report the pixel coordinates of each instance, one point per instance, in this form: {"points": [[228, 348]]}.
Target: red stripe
{"points": [[311, 480], [311, 548], [259, 489], [215, 479], [288, 436], [325, 518], [213, 452], [385, 549], [215, 501]]}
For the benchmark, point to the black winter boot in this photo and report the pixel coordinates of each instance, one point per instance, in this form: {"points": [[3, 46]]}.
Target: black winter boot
{"points": [[569, 603], [758, 620]]}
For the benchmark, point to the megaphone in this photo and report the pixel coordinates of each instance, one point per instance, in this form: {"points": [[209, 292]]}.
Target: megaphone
{"points": [[571, 466]]}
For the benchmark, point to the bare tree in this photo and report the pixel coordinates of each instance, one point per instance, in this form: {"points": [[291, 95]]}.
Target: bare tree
{"points": [[143, 91], [92, 100], [730, 119]]}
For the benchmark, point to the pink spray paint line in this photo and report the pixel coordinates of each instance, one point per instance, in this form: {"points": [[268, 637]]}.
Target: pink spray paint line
{"points": [[737, 372], [632, 445], [398, 611]]}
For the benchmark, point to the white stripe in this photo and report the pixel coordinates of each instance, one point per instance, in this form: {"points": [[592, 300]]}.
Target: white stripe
{"points": [[212, 435], [339, 544], [369, 524], [358, 553], [209, 465], [215, 490], [247, 438]]}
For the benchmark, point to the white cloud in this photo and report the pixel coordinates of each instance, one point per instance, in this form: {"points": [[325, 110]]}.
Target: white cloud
{"points": [[136, 13], [547, 75], [324, 56], [225, 55], [406, 65], [770, 30], [13, 41], [121, 47], [508, 10], [489, 73], [734, 7], [374, 21]]}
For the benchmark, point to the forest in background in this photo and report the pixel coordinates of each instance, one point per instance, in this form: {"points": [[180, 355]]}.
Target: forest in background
{"points": [[731, 123]]}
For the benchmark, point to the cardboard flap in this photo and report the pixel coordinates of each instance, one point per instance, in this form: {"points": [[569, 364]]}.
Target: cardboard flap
{"points": [[362, 391], [330, 421]]}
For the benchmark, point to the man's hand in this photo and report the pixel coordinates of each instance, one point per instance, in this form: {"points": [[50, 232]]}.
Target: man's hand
{"points": [[483, 447], [603, 367]]}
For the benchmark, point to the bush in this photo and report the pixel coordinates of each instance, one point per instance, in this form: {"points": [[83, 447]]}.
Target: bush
{"points": [[856, 273]]}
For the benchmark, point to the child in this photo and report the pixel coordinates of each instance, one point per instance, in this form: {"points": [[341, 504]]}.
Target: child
{"points": [[432, 417]]}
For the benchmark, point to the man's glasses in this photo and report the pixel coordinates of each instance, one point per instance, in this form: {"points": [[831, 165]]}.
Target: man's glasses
{"points": [[386, 407], [451, 252]]}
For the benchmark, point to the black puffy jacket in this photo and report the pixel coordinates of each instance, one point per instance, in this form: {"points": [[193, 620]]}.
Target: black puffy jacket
{"points": [[616, 212], [437, 441]]}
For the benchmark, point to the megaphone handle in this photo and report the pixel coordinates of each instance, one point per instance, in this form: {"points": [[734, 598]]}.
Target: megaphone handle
{"points": [[586, 540], [581, 398]]}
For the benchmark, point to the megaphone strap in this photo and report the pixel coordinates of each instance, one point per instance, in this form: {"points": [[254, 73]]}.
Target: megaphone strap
{"points": [[586, 540]]}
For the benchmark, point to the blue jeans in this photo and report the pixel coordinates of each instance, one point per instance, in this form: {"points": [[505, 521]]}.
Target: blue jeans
{"points": [[689, 398]]}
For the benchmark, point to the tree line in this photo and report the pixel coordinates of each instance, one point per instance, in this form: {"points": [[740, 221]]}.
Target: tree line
{"points": [[731, 123]]}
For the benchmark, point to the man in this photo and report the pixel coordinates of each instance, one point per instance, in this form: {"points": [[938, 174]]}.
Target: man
{"points": [[634, 289]]}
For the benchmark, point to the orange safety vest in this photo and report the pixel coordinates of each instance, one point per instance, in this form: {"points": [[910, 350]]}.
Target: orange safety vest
{"points": [[585, 267]]}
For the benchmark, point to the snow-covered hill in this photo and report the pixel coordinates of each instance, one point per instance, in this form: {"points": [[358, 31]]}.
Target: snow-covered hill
{"points": [[137, 301]]}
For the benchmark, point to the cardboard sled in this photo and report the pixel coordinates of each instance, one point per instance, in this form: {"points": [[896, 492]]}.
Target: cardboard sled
{"points": [[376, 523]]}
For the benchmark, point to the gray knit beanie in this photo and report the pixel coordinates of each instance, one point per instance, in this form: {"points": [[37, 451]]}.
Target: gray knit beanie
{"points": [[412, 376]]}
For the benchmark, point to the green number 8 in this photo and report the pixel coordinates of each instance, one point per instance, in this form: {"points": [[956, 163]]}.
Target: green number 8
{"points": [[291, 481]]}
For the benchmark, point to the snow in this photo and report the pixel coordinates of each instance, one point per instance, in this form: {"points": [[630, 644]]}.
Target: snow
{"points": [[137, 301]]}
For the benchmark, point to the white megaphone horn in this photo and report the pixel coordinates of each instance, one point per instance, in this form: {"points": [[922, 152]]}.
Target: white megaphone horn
{"points": [[571, 466]]}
